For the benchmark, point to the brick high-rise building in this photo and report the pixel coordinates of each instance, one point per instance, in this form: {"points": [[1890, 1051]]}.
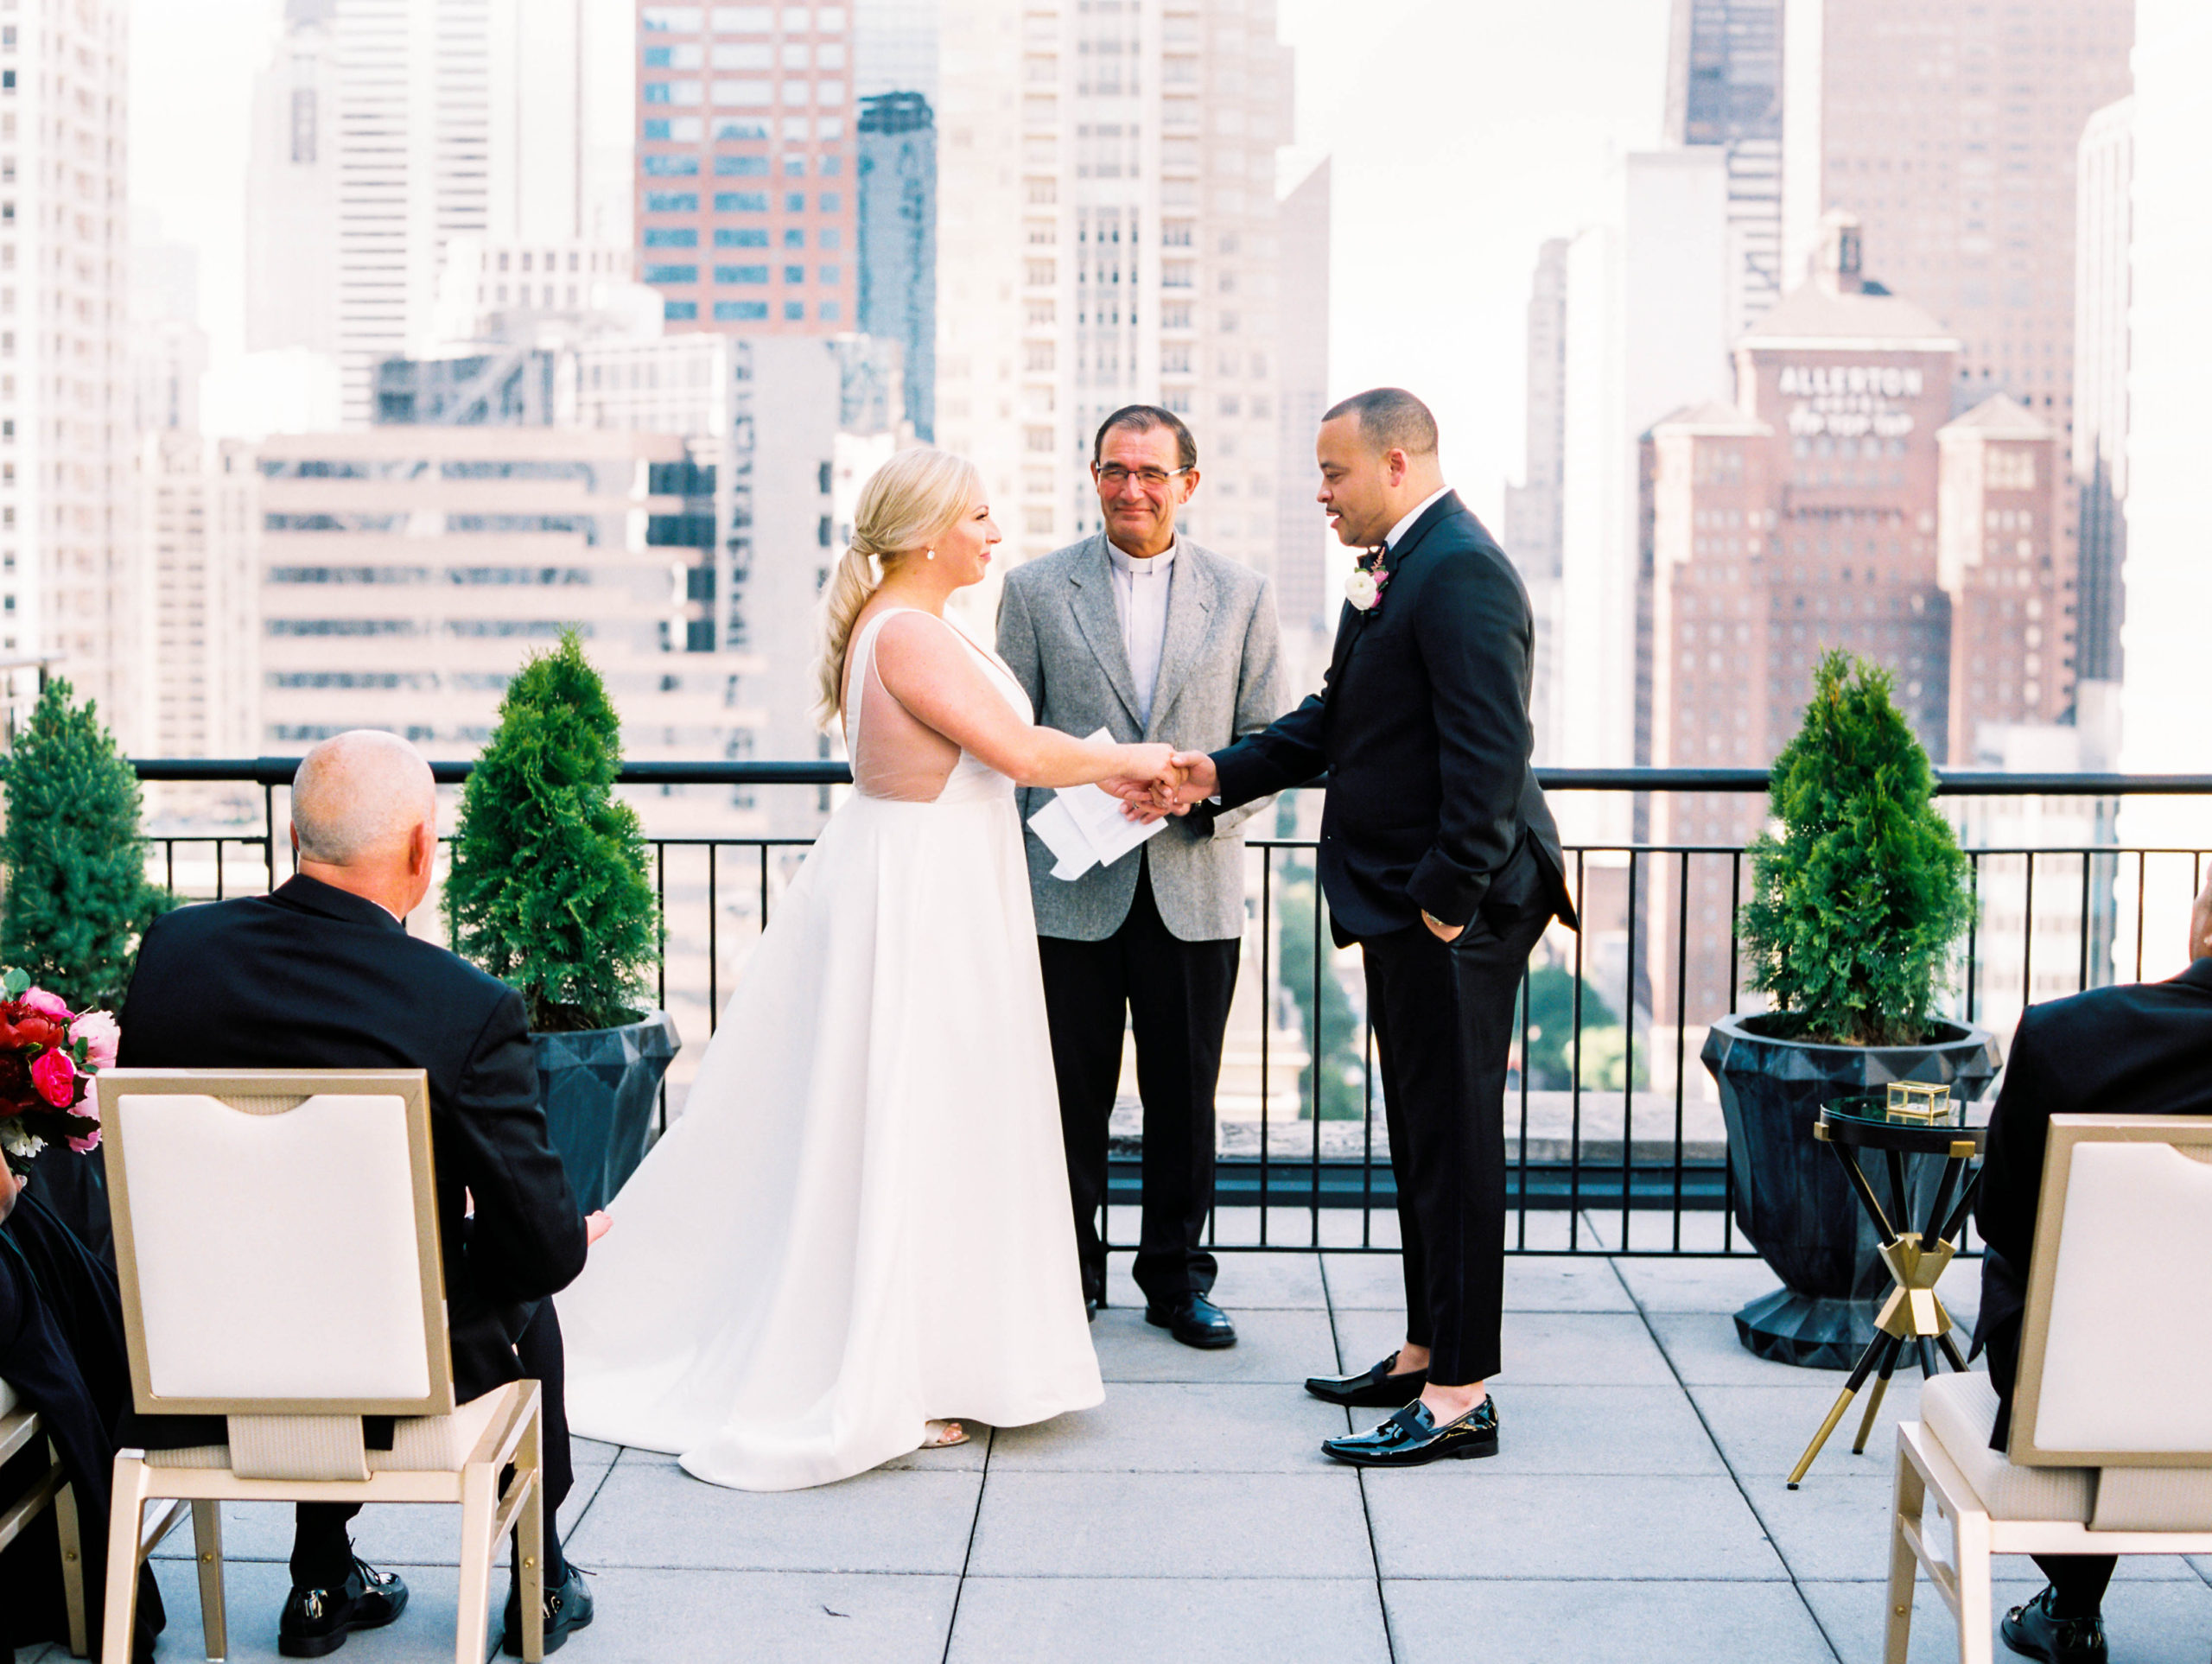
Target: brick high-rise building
{"points": [[746, 213], [1950, 131]]}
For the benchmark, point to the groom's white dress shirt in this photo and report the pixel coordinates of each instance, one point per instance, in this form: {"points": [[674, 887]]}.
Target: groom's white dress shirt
{"points": [[1420, 509], [1141, 591]]}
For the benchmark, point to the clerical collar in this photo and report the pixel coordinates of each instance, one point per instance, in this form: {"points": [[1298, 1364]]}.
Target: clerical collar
{"points": [[1156, 567]]}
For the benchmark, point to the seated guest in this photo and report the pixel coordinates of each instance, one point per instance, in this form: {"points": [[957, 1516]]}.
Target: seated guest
{"points": [[61, 1348], [2141, 1048], [323, 974]]}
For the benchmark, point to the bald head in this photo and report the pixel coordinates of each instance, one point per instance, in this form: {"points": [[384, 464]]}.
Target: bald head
{"points": [[358, 798]]}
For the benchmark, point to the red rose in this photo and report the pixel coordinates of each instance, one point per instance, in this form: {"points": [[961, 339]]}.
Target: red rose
{"points": [[20, 1028]]}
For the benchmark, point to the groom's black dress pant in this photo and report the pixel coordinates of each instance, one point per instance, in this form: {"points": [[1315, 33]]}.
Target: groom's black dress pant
{"points": [[323, 1554], [1443, 1020], [1175, 995]]}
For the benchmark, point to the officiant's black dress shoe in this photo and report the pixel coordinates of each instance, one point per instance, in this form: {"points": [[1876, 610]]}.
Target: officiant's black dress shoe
{"points": [[567, 1610], [1195, 1321], [1370, 1389], [316, 1622], [1411, 1439], [2033, 1632]]}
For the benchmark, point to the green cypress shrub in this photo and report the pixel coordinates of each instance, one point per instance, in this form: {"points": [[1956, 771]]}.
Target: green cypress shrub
{"points": [[78, 895], [549, 888], [1856, 903]]}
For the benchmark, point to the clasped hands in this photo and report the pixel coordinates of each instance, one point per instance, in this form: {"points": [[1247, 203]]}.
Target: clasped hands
{"points": [[1178, 779]]}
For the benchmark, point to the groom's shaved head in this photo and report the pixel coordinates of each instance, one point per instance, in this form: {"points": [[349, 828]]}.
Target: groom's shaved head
{"points": [[359, 796], [1390, 419]]}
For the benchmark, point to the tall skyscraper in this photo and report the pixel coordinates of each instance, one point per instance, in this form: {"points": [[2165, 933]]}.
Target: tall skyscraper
{"points": [[1950, 131], [2104, 220], [1533, 508], [897, 192], [1725, 88], [1116, 241], [1305, 549], [2169, 581], [68, 576], [746, 218], [385, 130]]}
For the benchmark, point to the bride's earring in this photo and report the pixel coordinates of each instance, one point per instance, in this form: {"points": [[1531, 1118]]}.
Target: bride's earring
{"points": [[928, 554]]}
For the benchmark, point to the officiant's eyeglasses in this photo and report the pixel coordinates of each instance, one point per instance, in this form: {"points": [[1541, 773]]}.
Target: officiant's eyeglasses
{"points": [[1113, 474]]}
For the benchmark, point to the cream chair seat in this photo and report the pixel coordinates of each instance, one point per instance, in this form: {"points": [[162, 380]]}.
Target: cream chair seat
{"points": [[19, 1428], [2110, 1450], [324, 1180]]}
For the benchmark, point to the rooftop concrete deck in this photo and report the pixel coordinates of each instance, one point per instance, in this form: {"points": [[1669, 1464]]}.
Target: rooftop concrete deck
{"points": [[1638, 1511]]}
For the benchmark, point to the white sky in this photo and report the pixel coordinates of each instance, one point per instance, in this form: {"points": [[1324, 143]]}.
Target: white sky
{"points": [[1464, 133]]}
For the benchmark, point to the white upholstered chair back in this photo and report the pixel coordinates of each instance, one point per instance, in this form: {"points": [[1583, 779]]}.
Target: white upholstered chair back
{"points": [[276, 1238]]}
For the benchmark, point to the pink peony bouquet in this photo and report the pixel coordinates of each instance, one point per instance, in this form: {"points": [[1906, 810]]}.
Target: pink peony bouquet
{"points": [[49, 1055]]}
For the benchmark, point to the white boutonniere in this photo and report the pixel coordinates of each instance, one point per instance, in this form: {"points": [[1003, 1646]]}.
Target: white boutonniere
{"points": [[1363, 589]]}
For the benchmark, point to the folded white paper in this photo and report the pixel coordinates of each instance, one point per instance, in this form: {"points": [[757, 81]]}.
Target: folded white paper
{"points": [[1084, 827]]}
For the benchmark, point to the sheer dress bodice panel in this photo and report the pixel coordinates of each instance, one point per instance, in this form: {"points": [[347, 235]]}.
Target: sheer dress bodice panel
{"points": [[895, 755]]}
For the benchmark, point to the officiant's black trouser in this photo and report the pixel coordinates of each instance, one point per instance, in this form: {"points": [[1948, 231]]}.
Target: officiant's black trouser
{"points": [[322, 1553], [1443, 1020], [1175, 995]]}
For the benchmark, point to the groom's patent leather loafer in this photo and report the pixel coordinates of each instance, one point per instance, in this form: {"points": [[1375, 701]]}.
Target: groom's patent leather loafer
{"points": [[1370, 1389], [1195, 1321], [1411, 1439]]}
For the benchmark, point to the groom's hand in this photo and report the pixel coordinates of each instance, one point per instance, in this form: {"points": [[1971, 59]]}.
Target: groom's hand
{"points": [[1200, 781], [1440, 931]]}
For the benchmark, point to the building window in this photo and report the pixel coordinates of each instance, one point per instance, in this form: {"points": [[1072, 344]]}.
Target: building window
{"points": [[832, 166], [739, 201], [832, 240], [794, 311], [794, 236], [740, 274], [740, 237], [671, 237], [832, 203], [671, 20], [795, 202], [794, 273], [740, 311], [671, 167], [657, 275], [830, 312], [671, 201], [829, 275], [680, 311], [743, 168]]}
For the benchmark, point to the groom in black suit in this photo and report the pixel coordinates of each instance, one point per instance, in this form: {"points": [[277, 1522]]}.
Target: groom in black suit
{"points": [[1441, 859], [322, 973]]}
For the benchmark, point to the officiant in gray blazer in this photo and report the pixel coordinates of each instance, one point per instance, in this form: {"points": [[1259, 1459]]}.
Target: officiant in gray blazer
{"points": [[1141, 631]]}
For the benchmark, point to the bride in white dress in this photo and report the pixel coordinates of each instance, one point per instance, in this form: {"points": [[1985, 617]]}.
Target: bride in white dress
{"points": [[859, 1226]]}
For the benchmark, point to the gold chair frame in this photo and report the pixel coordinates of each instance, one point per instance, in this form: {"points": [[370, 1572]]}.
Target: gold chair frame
{"points": [[1924, 1469], [512, 1438], [19, 1428]]}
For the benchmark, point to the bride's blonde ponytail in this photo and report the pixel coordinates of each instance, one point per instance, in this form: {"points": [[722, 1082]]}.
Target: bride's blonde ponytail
{"points": [[909, 502]]}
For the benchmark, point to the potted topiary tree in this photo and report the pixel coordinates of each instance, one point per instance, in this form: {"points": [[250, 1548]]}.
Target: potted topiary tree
{"points": [[549, 891], [78, 898], [1856, 899]]}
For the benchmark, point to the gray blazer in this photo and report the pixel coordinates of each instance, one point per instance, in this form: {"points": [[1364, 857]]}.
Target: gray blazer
{"points": [[1061, 634]]}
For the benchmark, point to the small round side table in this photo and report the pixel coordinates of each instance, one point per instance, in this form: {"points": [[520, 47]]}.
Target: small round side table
{"points": [[1912, 1314]]}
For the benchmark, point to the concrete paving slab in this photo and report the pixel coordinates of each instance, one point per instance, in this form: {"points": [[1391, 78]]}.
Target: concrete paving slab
{"points": [[1593, 1430], [1192, 1620], [1436, 1622], [1696, 1285], [1253, 1281], [253, 1595], [1564, 1525], [1702, 1346], [765, 1618], [1284, 1346], [1171, 1525], [659, 1516], [1764, 1430], [2158, 1622], [1177, 1427], [1590, 1349]]}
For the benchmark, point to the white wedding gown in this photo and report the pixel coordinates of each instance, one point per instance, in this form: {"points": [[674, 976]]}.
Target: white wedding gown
{"points": [[860, 1221]]}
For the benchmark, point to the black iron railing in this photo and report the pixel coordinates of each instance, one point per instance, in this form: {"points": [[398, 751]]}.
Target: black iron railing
{"points": [[1598, 1163]]}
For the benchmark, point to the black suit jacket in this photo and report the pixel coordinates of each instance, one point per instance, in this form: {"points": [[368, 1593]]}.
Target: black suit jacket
{"points": [[2138, 1049], [1422, 724], [313, 977]]}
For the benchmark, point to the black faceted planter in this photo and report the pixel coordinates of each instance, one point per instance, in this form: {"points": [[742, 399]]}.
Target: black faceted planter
{"points": [[598, 1086], [1793, 1200]]}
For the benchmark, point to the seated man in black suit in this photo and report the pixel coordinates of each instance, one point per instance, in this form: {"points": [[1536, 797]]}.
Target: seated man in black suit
{"points": [[2139, 1048], [323, 974]]}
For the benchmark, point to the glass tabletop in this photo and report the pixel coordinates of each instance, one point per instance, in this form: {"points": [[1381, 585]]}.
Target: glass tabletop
{"points": [[1864, 1120]]}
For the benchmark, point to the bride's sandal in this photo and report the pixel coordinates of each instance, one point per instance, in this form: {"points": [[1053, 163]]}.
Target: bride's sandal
{"points": [[943, 1435]]}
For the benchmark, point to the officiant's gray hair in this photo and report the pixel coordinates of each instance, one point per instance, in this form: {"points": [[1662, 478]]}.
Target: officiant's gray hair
{"points": [[358, 794]]}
